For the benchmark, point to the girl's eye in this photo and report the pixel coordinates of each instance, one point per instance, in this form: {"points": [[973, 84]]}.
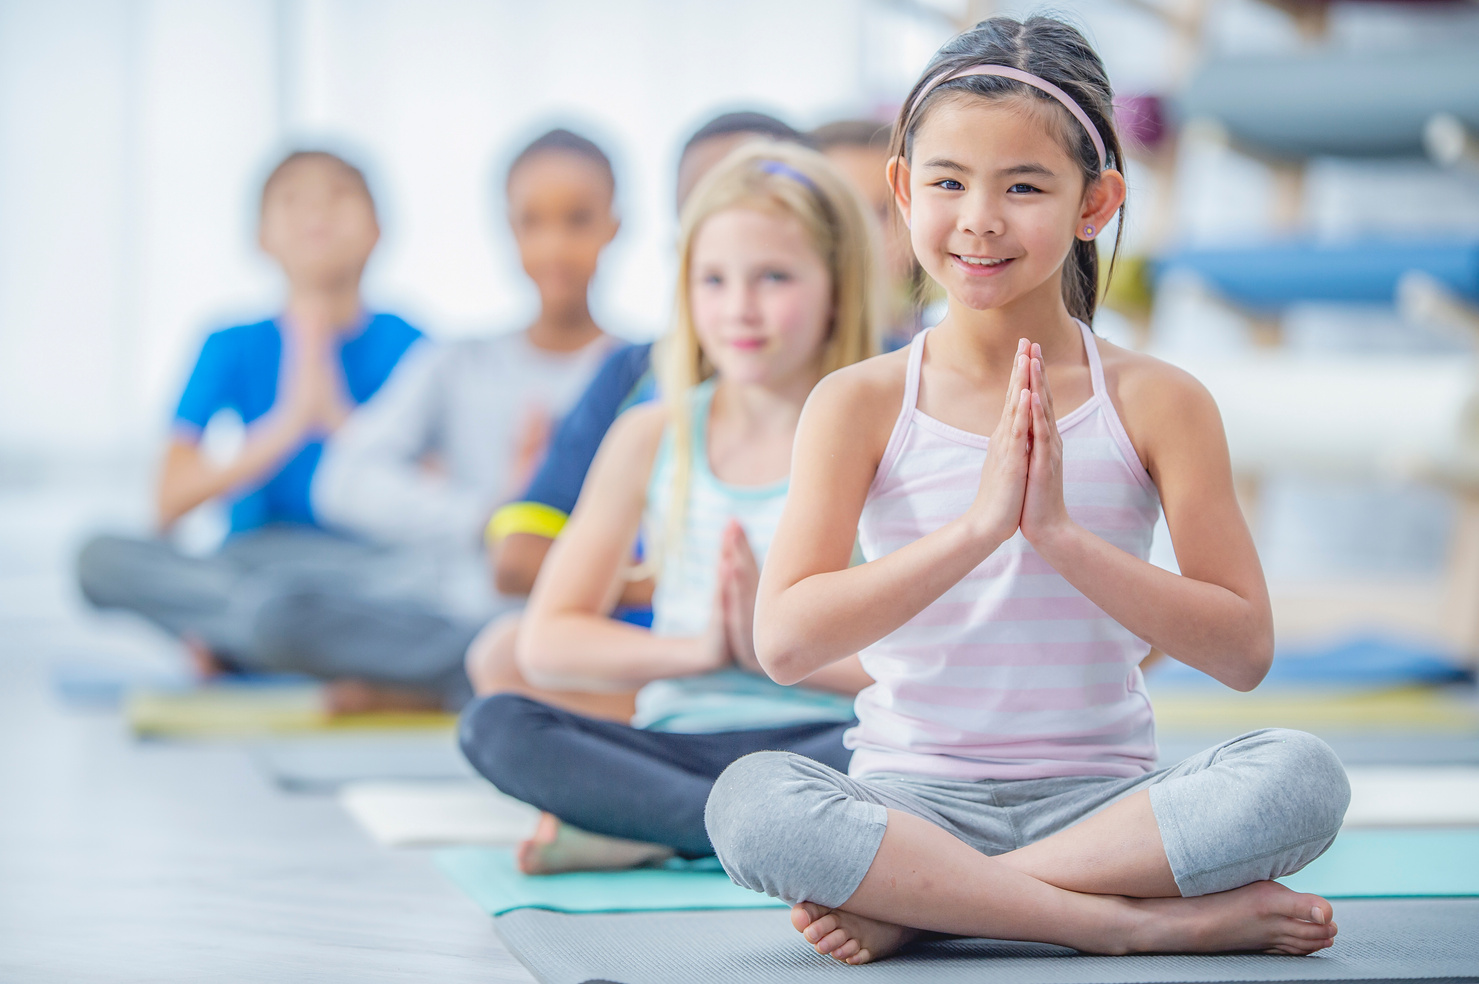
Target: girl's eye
{"points": [[711, 279], [950, 184], [1021, 189], [776, 276]]}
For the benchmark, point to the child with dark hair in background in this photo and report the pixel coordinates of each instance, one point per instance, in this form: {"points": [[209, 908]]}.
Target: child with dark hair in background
{"points": [[457, 430], [293, 380], [521, 532]]}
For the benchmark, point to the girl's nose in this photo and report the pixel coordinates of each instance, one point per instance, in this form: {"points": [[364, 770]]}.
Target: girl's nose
{"points": [[744, 303], [980, 216]]}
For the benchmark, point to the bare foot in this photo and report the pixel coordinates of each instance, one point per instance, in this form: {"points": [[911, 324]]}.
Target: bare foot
{"points": [[350, 696], [557, 847], [205, 664], [1262, 916], [847, 936]]}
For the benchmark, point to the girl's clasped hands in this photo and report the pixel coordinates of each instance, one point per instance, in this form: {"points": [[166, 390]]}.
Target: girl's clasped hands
{"points": [[1022, 480]]}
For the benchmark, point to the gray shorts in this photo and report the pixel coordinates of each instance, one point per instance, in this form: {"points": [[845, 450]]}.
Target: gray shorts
{"points": [[1260, 806]]}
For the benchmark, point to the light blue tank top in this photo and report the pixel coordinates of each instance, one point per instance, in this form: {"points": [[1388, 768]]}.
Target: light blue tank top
{"points": [[730, 699]]}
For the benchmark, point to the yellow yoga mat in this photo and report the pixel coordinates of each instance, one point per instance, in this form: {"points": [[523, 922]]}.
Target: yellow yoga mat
{"points": [[1408, 709], [245, 711]]}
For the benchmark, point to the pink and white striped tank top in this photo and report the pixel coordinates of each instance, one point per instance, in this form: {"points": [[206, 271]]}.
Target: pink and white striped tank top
{"points": [[1012, 673]]}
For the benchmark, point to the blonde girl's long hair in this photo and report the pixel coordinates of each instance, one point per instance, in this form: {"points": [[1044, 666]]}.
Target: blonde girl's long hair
{"points": [[779, 179]]}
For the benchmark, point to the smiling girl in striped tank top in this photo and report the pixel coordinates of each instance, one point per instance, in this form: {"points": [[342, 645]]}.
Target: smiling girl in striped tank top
{"points": [[1003, 476]]}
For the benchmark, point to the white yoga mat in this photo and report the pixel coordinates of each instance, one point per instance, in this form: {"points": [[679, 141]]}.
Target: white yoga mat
{"points": [[441, 813], [436, 814], [1411, 796]]}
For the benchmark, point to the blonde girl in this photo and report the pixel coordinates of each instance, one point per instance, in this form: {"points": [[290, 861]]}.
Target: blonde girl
{"points": [[775, 285], [1002, 476]]}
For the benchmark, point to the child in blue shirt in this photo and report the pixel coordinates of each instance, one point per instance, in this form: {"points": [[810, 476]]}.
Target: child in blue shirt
{"points": [[292, 380]]}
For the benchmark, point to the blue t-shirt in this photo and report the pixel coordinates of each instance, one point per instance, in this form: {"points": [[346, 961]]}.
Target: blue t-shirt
{"points": [[237, 370]]}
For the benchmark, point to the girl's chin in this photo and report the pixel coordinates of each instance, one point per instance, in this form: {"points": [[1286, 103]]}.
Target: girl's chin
{"points": [[979, 297]]}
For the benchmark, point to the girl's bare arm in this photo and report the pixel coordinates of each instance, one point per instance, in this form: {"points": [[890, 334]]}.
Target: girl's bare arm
{"points": [[188, 478], [813, 609], [1215, 614], [567, 641]]}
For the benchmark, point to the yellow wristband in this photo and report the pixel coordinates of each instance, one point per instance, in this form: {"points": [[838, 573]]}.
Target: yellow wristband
{"points": [[526, 517]]}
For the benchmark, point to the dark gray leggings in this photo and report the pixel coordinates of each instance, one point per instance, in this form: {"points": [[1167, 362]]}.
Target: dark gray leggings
{"points": [[287, 598], [1259, 806], [611, 779]]}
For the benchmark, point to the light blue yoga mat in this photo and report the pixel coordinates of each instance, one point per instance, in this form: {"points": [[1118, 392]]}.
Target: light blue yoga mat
{"points": [[1360, 864], [1394, 863], [488, 875]]}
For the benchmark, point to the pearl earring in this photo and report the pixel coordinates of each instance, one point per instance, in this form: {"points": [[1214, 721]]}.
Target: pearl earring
{"points": [[1089, 231]]}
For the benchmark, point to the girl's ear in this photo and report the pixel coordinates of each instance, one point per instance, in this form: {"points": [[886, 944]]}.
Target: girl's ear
{"points": [[897, 172], [1101, 201]]}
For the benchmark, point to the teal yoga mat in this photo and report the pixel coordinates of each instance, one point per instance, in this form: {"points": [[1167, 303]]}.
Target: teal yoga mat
{"points": [[488, 875], [1360, 864], [1394, 863]]}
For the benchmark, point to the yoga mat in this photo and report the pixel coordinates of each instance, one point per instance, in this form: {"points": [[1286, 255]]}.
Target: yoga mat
{"points": [[1343, 103], [1274, 274], [492, 881], [1361, 863], [431, 814], [323, 763], [235, 710], [1394, 863], [1379, 940], [82, 683], [1368, 662], [1411, 710]]}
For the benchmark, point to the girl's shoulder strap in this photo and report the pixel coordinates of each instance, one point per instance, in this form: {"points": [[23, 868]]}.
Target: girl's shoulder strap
{"points": [[911, 375], [1096, 368], [906, 411], [1111, 415]]}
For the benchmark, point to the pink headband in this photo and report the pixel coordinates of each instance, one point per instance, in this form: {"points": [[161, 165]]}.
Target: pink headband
{"points": [[1027, 78]]}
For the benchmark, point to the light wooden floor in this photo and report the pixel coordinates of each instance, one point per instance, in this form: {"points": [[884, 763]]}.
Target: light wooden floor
{"points": [[129, 862]]}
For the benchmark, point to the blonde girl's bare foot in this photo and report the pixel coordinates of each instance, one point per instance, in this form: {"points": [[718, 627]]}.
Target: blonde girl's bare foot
{"points": [[847, 936], [1264, 916], [351, 696], [556, 847]]}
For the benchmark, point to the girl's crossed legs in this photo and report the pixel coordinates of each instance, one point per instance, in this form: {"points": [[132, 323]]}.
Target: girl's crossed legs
{"points": [[1176, 860]]}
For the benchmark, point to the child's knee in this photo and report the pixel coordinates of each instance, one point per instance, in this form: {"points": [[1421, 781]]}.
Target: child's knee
{"points": [[1290, 782], [103, 568], [745, 811], [1311, 769], [490, 661], [784, 825], [491, 733]]}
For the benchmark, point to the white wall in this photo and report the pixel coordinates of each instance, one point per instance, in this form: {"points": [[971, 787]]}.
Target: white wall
{"points": [[134, 137]]}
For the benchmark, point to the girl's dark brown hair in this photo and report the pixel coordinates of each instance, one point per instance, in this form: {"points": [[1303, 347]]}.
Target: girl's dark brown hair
{"points": [[1053, 51]]}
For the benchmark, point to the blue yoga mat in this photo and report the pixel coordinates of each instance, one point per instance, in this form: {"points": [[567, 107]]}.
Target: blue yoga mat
{"points": [[1271, 275], [1394, 863], [1361, 863], [1369, 662], [489, 876]]}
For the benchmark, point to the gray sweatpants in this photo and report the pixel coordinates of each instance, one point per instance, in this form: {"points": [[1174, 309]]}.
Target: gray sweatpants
{"points": [[289, 599], [1257, 807]]}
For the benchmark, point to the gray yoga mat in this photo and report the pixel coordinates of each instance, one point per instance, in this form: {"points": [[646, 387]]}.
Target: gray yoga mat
{"points": [[1353, 749], [1380, 940], [323, 764], [1327, 101]]}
